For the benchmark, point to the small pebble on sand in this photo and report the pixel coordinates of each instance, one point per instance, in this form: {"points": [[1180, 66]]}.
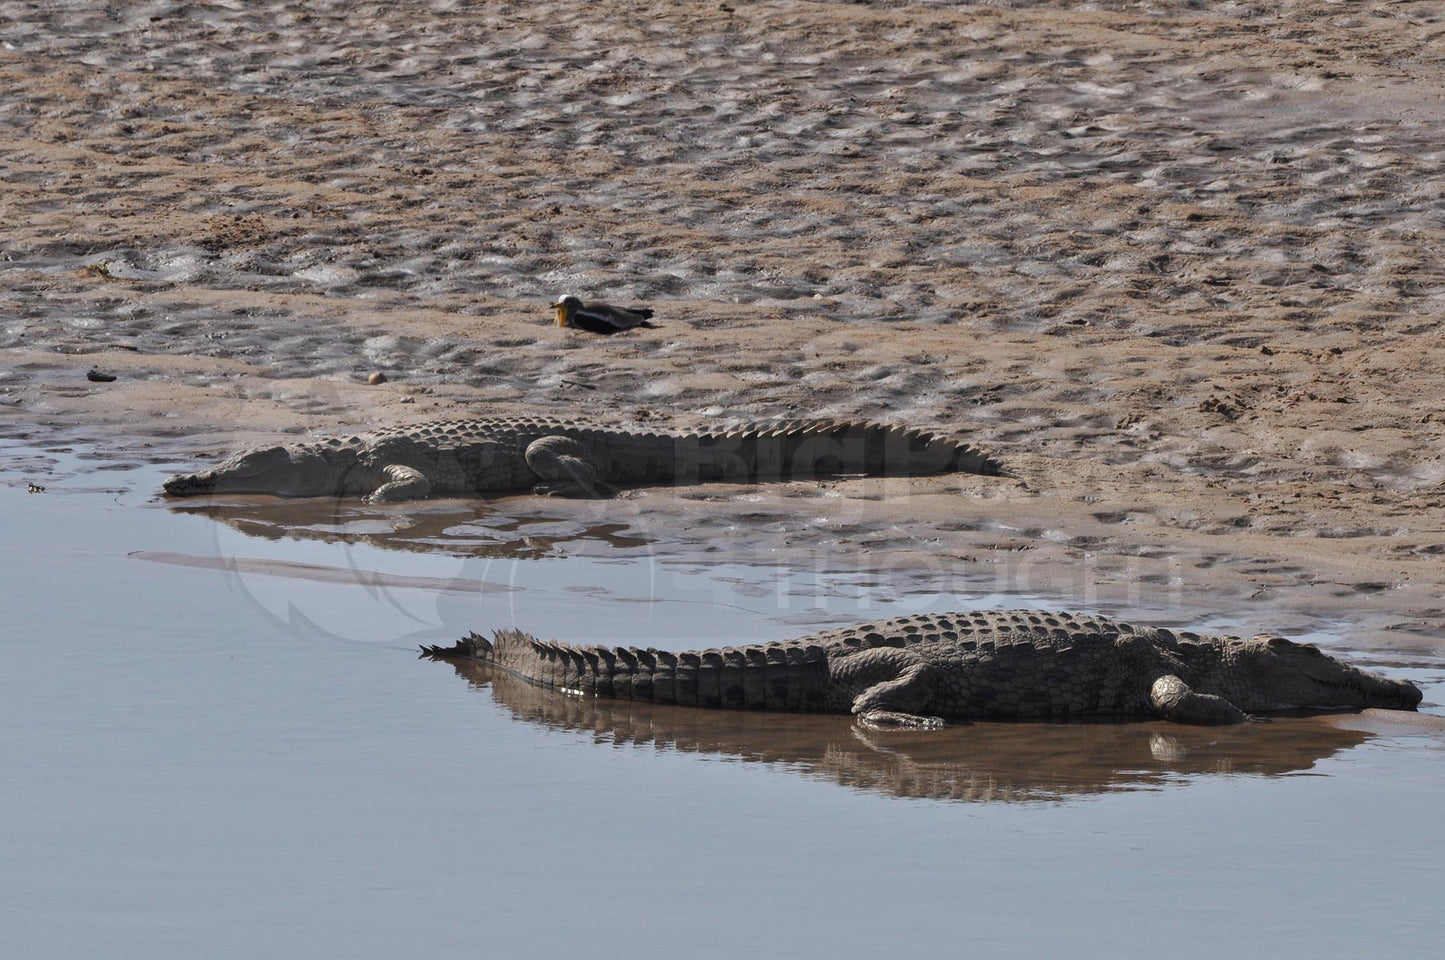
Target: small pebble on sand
{"points": [[375, 378]]}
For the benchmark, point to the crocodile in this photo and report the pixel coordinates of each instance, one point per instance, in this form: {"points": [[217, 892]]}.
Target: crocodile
{"points": [[923, 670], [500, 455], [989, 763]]}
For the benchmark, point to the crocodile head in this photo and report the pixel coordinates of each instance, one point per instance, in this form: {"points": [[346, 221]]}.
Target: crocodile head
{"points": [[1273, 673], [291, 471]]}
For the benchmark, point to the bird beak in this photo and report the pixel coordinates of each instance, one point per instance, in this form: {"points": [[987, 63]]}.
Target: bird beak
{"points": [[561, 320]]}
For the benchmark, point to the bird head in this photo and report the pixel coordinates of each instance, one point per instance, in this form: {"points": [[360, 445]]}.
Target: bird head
{"points": [[564, 308]]}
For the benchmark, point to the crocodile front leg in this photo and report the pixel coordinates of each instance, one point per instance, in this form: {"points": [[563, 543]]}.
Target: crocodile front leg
{"points": [[564, 469], [905, 686], [403, 483], [1175, 701]]}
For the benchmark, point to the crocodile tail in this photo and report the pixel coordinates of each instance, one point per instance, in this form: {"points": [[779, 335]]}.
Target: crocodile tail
{"points": [[775, 676], [473, 646], [803, 449]]}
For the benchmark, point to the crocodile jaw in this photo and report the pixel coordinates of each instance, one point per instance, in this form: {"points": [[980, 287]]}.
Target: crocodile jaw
{"points": [[1299, 675], [281, 471], [191, 484]]}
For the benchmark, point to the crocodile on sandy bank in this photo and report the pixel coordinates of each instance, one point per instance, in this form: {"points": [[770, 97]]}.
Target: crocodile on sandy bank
{"points": [[1001, 665], [501, 455]]}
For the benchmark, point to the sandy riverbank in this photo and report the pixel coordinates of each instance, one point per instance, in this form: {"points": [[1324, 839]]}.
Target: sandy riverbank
{"points": [[1182, 272]]}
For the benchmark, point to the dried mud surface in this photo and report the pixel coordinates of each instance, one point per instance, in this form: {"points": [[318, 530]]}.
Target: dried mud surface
{"points": [[1180, 265]]}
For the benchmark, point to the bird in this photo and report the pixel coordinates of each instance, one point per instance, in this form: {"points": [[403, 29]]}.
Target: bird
{"points": [[600, 318]]}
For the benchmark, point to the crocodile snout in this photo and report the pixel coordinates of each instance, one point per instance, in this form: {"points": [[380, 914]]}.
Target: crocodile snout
{"points": [[1398, 694], [189, 484]]}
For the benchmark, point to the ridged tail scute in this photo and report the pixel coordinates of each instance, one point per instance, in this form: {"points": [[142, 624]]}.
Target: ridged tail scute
{"points": [[775, 676], [473, 646], [684, 680], [807, 449], [665, 691]]}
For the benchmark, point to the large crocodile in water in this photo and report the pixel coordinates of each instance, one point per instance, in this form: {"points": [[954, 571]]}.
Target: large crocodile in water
{"points": [[1003, 665], [501, 455], [989, 762]]}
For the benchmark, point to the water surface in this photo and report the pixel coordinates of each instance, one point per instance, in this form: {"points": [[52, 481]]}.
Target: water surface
{"points": [[221, 744]]}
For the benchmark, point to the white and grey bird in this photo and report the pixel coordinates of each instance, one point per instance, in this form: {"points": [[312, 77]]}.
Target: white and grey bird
{"points": [[600, 318]]}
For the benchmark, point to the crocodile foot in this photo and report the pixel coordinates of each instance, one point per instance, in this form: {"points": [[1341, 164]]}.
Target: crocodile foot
{"points": [[895, 720], [597, 490]]}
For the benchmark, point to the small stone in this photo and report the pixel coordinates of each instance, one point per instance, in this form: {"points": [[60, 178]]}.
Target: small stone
{"points": [[95, 376], [375, 378], [408, 399]]}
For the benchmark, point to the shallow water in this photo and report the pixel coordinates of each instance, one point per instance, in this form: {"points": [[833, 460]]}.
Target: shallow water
{"points": [[220, 743]]}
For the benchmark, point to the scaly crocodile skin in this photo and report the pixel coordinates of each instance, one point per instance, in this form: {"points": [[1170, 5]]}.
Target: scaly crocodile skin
{"points": [[1001, 665], [501, 455]]}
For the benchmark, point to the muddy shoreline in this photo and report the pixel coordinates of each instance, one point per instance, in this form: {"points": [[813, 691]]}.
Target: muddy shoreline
{"points": [[1182, 273]]}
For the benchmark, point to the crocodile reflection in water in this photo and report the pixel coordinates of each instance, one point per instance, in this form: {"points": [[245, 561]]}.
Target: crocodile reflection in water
{"points": [[982, 761], [470, 529]]}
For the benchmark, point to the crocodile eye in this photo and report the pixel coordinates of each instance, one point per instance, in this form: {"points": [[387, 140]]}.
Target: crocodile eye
{"points": [[1280, 645]]}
